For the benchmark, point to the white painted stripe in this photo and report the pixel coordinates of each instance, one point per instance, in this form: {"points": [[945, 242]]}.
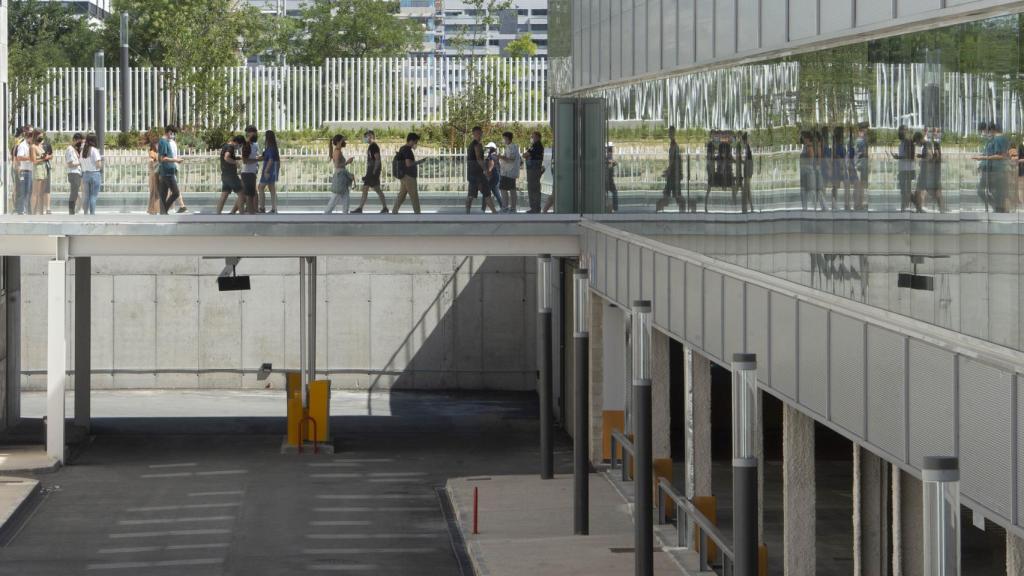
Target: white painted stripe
{"points": [[179, 465], [394, 536], [337, 475], [341, 567], [168, 475], [377, 509], [184, 507], [339, 523], [395, 474], [221, 493], [376, 496], [174, 520], [221, 472], [344, 551], [192, 532], [137, 549], [156, 564]]}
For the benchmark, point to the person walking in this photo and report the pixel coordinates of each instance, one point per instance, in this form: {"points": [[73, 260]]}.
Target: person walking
{"points": [[153, 173], [229, 180], [406, 168], [510, 160], [905, 175], [374, 164], [745, 157], [476, 172], [271, 172], [168, 159], [73, 167], [493, 174], [250, 168], [534, 171], [862, 167], [48, 154], [341, 180], [39, 175], [673, 175], [92, 175], [611, 202], [23, 161]]}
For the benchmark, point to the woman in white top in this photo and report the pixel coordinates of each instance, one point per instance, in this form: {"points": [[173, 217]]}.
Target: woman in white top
{"points": [[73, 163], [92, 163]]}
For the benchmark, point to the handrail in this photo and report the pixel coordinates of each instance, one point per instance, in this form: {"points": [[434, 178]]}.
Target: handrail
{"points": [[620, 440], [705, 529]]}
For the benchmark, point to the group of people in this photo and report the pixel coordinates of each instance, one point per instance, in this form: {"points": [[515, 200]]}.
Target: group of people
{"points": [[239, 158], [1000, 164], [491, 175], [33, 161]]}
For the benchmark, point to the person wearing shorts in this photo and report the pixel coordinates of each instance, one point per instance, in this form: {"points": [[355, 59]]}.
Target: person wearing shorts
{"points": [[250, 168], [476, 172], [229, 180], [373, 171]]}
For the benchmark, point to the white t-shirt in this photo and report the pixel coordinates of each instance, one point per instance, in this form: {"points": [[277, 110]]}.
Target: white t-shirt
{"points": [[510, 167], [72, 161], [23, 151], [90, 162], [252, 167]]}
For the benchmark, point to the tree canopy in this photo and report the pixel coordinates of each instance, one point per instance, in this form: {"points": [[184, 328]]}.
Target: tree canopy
{"points": [[352, 29], [522, 47]]}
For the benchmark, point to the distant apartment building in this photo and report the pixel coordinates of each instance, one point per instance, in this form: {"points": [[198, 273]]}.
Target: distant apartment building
{"points": [[452, 27], [97, 9]]}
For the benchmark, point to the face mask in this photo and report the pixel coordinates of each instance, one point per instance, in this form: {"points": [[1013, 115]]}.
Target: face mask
{"points": [[366, 139]]}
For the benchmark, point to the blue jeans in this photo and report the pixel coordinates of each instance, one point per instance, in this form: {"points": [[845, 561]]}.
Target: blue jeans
{"points": [[23, 193], [92, 182]]}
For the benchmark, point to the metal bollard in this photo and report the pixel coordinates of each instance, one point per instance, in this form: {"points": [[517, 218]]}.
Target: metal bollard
{"points": [[703, 554], [661, 505]]}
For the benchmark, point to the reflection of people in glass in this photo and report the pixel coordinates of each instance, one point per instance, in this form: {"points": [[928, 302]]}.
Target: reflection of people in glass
{"points": [[905, 175], [672, 175], [612, 201], [806, 168], [839, 166], [710, 161], [1017, 159], [862, 168], [999, 169], [824, 166], [930, 179], [727, 164], [984, 190], [745, 157]]}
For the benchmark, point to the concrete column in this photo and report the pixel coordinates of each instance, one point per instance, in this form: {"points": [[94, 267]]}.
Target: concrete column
{"points": [[699, 375], [12, 340], [908, 549], [615, 387], [56, 357], [661, 407], [870, 514], [798, 493], [83, 340], [597, 305], [1014, 554]]}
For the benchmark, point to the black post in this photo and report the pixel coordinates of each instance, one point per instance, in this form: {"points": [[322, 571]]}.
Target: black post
{"points": [[644, 484], [99, 99], [745, 408], [125, 86], [547, 448], [581, 412], [83, 342]]}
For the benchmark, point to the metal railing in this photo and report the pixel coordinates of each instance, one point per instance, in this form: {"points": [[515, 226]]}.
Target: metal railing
{"points": [[689, 518], [619, 440]]}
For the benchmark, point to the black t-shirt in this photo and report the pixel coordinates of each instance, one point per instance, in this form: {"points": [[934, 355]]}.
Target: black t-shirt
{"points": [[535, 155], [372, 154], [227, 168], [406, 153], [474, 153]]}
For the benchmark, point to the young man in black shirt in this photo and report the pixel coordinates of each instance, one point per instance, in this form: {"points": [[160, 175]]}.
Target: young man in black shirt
{"points": [[373, 170], [534, 171], [410, 172], [476, 172], [229, 179]]}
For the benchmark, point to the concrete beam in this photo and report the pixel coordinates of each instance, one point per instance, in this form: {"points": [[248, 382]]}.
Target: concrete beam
{"points": [[661, 407], [1014, 554], [56, 357], [798, 493], [698, 376], [597, 306], [870, 514], [908, 526]]}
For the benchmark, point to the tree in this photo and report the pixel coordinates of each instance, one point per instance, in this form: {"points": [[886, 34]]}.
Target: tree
{"points": [[522, 47], [43, 35], [353, 29]]}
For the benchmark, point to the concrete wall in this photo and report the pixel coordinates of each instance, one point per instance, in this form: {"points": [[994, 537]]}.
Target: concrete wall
{"points": [[615, 40], [409, 322]]}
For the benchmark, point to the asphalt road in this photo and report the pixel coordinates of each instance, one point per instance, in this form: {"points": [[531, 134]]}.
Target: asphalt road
{"points": [[213, 495]]}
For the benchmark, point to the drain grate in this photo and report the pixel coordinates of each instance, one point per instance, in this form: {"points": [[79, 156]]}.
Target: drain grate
{"points": [[622, 550]]}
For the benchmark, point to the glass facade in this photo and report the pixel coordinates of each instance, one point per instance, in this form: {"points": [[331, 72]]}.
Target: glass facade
{"points": [[890, 172]]}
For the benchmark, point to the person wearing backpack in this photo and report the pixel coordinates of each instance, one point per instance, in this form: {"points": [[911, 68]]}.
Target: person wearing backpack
{"points": [[405, 168]]}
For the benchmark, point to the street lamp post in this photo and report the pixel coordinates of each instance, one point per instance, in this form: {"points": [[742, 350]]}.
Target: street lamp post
{"points": [[745, 407], [644, 485], [581, 414], [547, 449], [941, 492]]}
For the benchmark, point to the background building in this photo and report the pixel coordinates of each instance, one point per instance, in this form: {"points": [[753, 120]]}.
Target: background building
{"points": [[97, 9]]}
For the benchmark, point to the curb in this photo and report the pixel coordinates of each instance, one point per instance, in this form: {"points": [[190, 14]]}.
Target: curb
{"points": [[10, 527]]}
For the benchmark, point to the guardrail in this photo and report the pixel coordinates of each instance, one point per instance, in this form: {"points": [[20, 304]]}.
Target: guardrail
{"points": [[690, 518], [620, 440]]}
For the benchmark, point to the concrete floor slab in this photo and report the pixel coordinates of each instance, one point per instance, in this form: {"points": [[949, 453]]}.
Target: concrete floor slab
{"points": [[526, 528], [26, 458], [14, 492]]}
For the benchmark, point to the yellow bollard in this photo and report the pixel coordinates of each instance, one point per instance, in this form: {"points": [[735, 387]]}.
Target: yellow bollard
{"points": [[319, 409]]}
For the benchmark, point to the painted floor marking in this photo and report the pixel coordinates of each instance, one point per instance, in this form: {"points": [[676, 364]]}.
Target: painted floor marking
{"points": [[192, 532], [221, 493], [376, 509], [184, 507], [156, 564], [174, 520], [178, 465]]}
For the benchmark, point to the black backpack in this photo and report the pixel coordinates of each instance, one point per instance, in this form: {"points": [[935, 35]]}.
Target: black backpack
{"points": [[398, 166]]}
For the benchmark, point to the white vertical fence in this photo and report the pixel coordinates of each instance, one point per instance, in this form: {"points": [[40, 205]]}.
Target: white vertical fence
{"points": [[345, 90]]}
